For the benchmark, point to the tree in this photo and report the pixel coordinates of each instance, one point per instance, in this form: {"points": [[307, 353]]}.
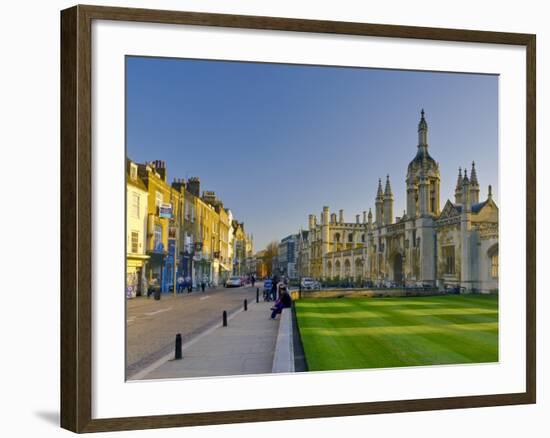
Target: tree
{"points": [[271, 251]]}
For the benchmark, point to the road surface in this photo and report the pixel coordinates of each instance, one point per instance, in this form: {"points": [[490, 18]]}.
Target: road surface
{"points": [[151, 326]]}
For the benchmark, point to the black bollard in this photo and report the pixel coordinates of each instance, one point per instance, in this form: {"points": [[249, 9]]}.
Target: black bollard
{"points": [[178, 347], [257, 294], [245, 305], [224, 318]]}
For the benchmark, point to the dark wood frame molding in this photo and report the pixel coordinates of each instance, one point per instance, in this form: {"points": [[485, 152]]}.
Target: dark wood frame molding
{"points": [[76, 244]]}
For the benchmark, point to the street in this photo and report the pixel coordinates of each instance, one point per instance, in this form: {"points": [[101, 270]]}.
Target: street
{"points": [[152, 325]]}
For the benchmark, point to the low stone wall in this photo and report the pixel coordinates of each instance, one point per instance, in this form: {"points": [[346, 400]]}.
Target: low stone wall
{"points": [[368, 293], [283, 359]]}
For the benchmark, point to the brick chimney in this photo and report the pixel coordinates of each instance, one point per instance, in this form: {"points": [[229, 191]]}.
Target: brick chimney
{"points": [[194, 186]]}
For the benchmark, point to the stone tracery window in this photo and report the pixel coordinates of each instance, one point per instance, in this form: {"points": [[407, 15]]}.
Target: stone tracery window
{"points": [[494, 265], [449, 259], [493, 256]]}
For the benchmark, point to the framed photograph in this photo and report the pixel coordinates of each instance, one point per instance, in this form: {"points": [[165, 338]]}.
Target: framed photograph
{"points": [[270, 218]]}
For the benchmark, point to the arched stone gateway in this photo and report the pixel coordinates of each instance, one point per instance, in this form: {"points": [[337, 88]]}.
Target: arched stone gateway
{"points": [[397, 268], [347, 268]]}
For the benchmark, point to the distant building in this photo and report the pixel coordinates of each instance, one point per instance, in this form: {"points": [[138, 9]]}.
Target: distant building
{"points": [[456, 246], [287, 256]]}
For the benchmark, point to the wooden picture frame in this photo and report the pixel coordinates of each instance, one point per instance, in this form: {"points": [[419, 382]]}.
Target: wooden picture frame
{"points": [[76, 217]]}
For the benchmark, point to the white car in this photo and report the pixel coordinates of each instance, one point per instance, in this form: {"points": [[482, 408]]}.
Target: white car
{"points": [[234, 282], [309, 283]]}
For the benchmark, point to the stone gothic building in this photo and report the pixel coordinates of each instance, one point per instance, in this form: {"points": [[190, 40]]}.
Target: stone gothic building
{"points": [[453, 246]]}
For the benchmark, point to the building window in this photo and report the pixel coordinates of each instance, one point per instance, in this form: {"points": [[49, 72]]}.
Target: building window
{"points": [[134, 243], [449, 258], [494, 265], [363, 238], [134, 204], [350, 238], [133, 171]]}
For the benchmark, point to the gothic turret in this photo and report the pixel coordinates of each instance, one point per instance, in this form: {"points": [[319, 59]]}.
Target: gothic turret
{"points": [[388, 202], [466, 199], [474, 185], [422, 177], [458, 188], [379, 204], [311, 222], [325, 230], [422, 130]]}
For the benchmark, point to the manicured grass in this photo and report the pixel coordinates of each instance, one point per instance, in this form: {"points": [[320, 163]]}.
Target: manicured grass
{"points": [[353, 333]]}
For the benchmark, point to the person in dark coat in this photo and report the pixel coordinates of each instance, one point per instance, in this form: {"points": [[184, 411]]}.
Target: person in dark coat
{"points": [[284, 302]]}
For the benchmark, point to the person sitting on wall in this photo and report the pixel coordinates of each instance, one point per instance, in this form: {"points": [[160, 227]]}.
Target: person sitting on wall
{"points": [[284, 302]]}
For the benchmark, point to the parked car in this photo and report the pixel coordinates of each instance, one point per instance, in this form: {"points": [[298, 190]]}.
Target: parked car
{"points": [[309, 283], [234, 282]]}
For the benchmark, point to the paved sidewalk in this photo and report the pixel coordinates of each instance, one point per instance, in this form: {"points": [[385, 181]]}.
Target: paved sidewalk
{"points": [[151, 325], [245, 346]]}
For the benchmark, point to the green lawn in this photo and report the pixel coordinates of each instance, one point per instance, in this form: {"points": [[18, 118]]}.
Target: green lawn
{"points": [[352, 333]]}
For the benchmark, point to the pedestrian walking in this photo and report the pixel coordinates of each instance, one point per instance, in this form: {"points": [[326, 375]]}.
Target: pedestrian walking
{"points": [[274, 289], [180, 284], [153, 284], [253, 280], [203, 284]]}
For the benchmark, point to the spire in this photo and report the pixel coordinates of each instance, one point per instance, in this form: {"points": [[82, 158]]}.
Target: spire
{"points": [[422, 130], [387, 192], [465, 180], [370, 215], [459, 179], [422, 124], [490, 192], [379, 193], [473, 175], [458, 188]]}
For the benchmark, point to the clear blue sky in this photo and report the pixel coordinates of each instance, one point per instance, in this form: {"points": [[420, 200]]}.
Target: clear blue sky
{"points": [[277, 142]]}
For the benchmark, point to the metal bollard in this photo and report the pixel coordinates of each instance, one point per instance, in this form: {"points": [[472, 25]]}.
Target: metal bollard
{"points": [[224, 318], [178, 347], [245, 305], [257, 294]]}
